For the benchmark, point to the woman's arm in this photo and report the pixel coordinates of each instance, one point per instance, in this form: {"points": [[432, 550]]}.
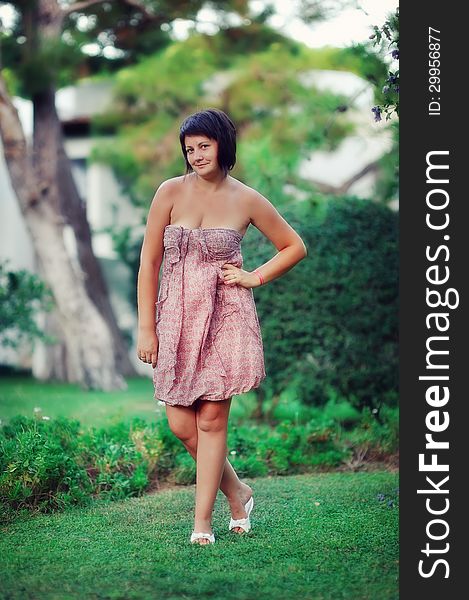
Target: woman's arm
{"points": [[151, 256], [290, 246]]}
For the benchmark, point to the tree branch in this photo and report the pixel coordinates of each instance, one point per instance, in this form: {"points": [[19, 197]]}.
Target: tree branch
{"points": [[340, 190]]}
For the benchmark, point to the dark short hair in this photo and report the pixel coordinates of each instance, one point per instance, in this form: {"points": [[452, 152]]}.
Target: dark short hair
{"points": [[216, 125]]}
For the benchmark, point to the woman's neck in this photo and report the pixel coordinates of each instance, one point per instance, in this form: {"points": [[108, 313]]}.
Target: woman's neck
{"points": [[211, 183]]}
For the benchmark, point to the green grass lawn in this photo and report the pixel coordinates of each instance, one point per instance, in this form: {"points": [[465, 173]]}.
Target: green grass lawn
{"points": [[20, 395], [322, 536]]}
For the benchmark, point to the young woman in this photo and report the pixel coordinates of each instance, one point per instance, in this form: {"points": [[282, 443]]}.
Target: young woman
{"points": [[206, 344]]}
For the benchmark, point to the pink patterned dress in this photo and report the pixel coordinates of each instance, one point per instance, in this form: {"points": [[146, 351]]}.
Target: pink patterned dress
{"points": [[210, 343]]}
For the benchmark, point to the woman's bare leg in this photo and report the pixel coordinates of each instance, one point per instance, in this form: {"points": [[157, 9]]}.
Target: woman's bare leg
{"points": [[183, 423], [212, 422]]}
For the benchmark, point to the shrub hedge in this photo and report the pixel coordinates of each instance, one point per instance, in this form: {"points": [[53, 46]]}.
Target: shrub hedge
{"points": [[47, 465]]}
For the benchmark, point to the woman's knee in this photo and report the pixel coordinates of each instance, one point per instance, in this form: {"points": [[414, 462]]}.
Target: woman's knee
{"points": [[213, 416], [182, 422]]}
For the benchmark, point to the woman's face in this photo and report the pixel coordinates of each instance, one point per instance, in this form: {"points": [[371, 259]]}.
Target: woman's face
{"points": [[202, 153]]}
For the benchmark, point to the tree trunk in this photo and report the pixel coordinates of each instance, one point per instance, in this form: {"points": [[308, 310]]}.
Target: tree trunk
{"points": [[47, 124], [89, 358]]}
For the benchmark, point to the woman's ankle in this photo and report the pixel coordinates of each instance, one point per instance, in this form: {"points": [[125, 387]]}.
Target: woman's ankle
{"points": [[202, 527], [239, 493]]}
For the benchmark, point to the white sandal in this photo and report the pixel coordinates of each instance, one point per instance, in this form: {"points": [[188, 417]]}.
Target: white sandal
{"points": [[245, 522], [199, 536]]}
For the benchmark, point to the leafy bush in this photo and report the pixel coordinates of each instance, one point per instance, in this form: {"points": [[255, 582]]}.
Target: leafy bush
{"points": [[375, 438], [283, 450], [331, 323], [47, 465], [22, 295], [340, 411], [185, 470], [40, 466], [336, 411], [121, 462]]}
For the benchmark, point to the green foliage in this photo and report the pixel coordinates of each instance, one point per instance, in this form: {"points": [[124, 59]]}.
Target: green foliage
{"points": [[148, 143], [363, 61], [337, 412], [38, 465], [54, 63], [22, 295], [276, 138], [387, 186], [386, 38], [340, 411], [34, 60], [121, 461], [375, 438], [122, 27], [185, 470], [40, 60], [49, 464], [331, 323], [237, 41]]}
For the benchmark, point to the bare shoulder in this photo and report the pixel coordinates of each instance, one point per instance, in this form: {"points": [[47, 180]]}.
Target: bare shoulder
{"points": [[170, 186], [267, 219], [162, 203], [253, 204], [166, 194], [246, 195], [253, 200]]}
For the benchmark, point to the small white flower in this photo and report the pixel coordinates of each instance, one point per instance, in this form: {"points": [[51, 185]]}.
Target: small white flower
{"points": [[37, 409], [233, 452], [44, 418], [374, 411]]}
